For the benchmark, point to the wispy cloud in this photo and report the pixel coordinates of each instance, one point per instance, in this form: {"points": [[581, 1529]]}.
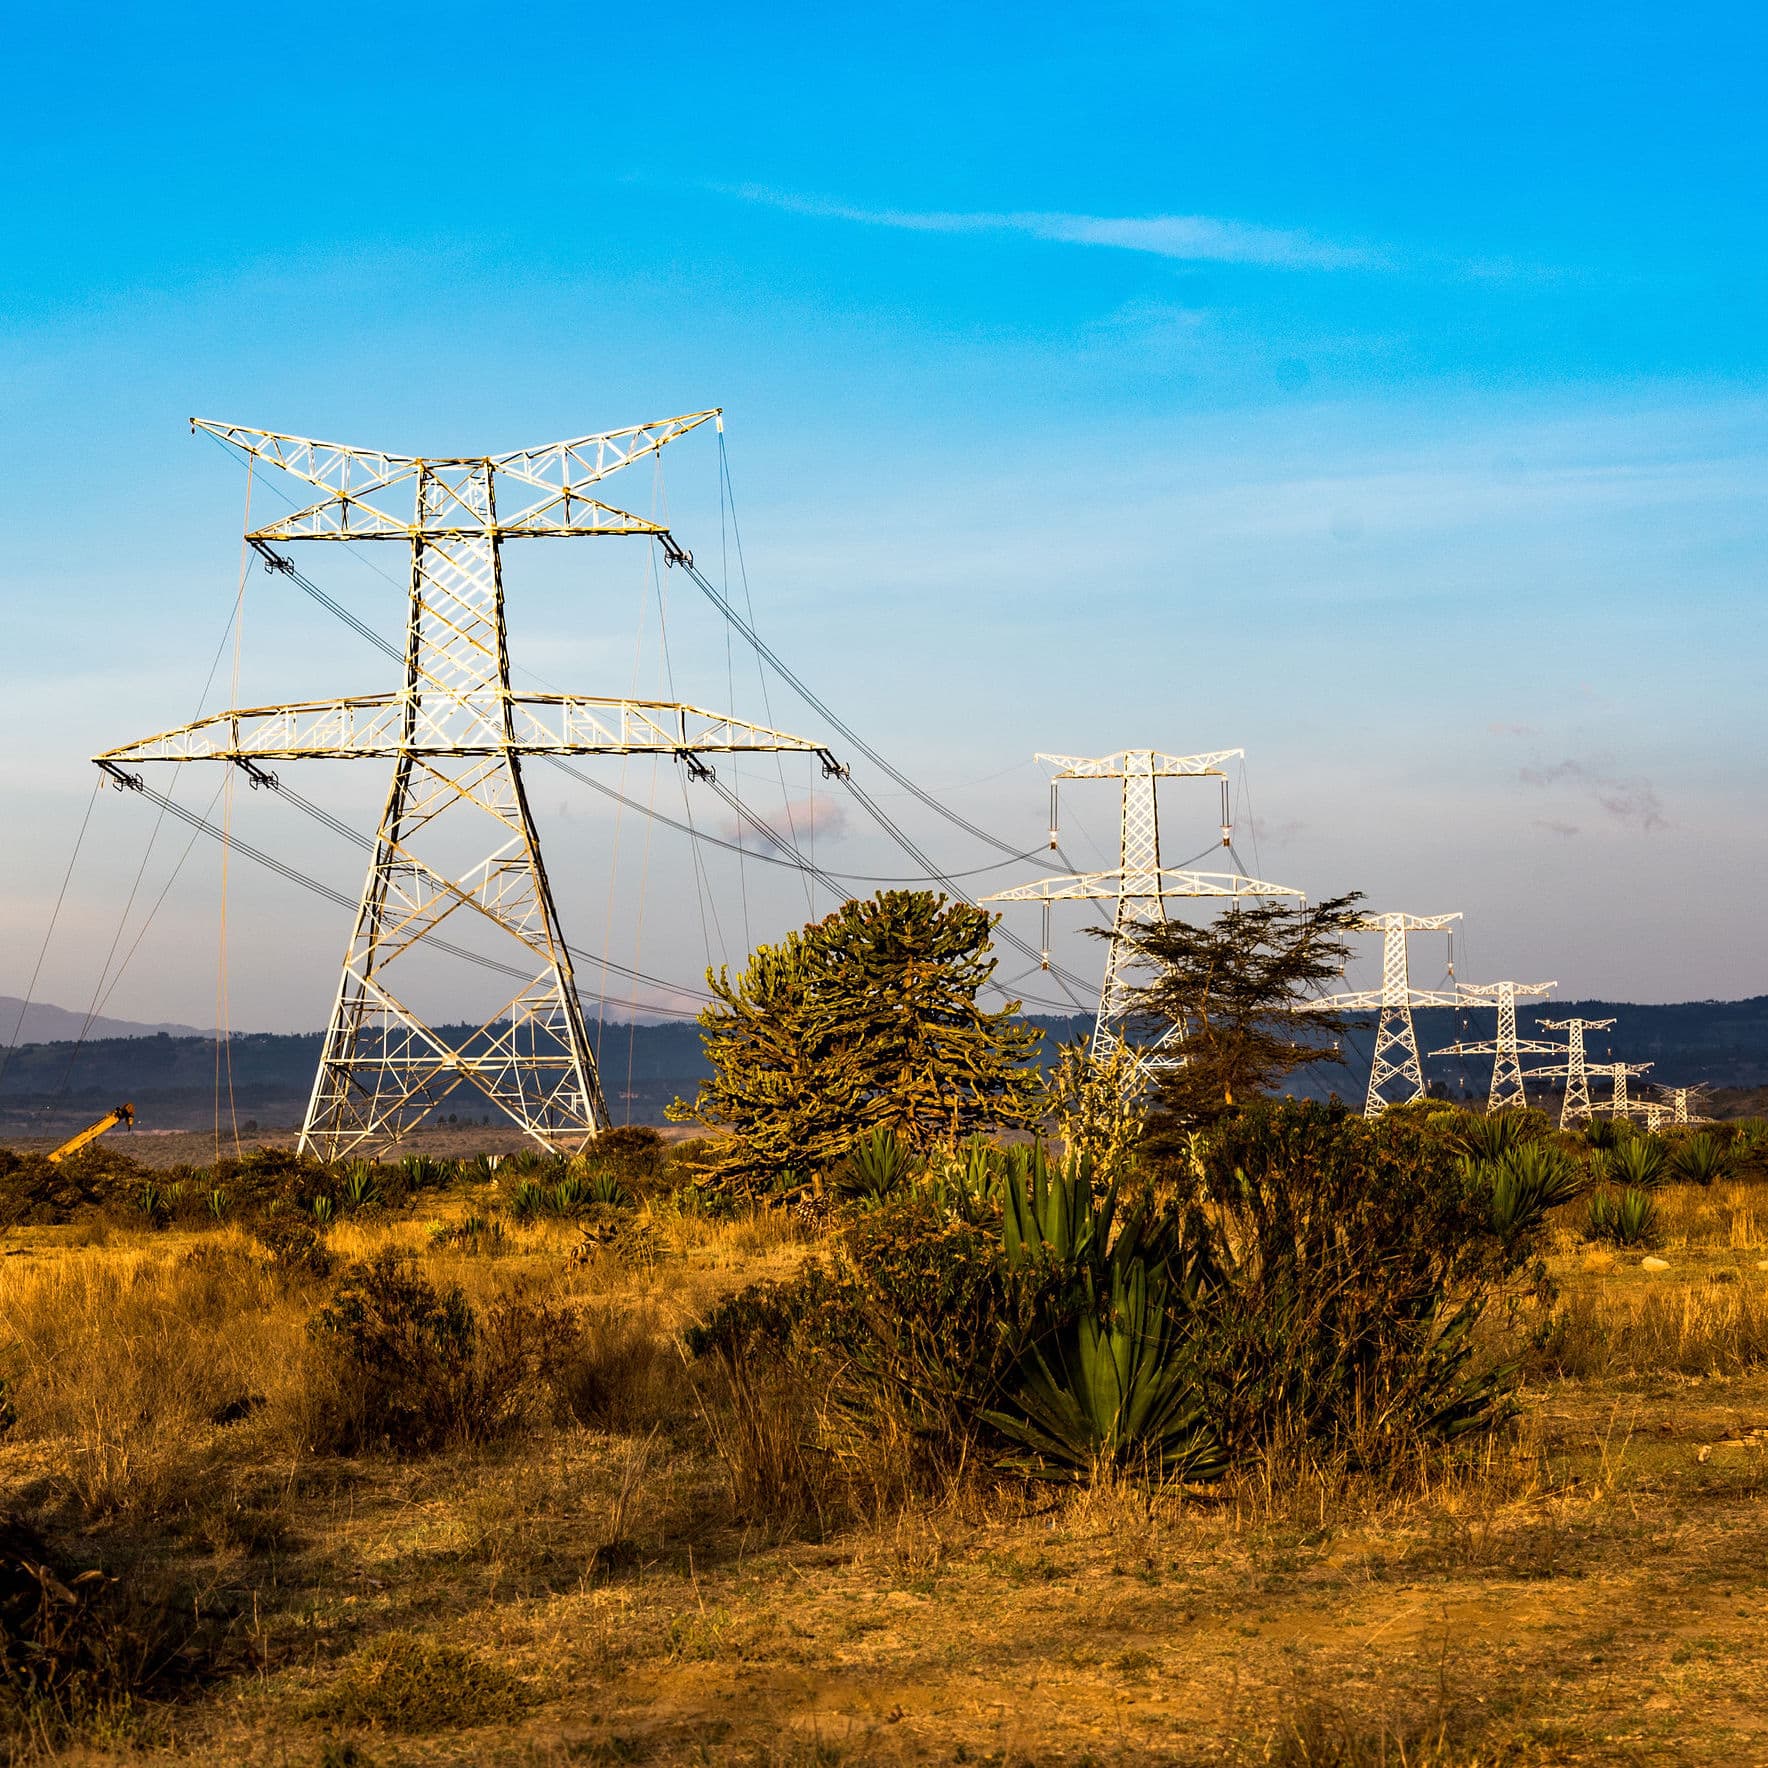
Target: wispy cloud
{"points": [[1633, 802], [1196, 239], [1554, 827]]}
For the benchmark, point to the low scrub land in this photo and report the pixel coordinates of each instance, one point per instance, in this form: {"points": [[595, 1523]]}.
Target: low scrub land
{"points": [[961, 1455]]}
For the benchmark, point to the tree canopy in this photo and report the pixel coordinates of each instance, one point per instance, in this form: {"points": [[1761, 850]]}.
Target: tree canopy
{"points": [[867, 1017], [1231, 989]]}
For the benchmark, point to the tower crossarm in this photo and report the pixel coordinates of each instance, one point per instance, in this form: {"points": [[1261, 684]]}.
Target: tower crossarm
{"points": [[1577, 1024], [1138, 763], [1486, 994], [1167, 882], [390, 725], [553, 478], [1362, 999], [1491, 1047], [1396, 921]]}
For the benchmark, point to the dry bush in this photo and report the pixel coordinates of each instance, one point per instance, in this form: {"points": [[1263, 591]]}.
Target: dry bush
{"points": [[1717, 1325], [622, 1371], [129, 1367], [417, 1368], [1732, 1215]]}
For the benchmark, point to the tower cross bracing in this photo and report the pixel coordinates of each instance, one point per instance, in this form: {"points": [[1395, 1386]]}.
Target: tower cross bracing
{"points": [[1139, 886], [1507, 1092], [456, 840], [1396, 1076]]}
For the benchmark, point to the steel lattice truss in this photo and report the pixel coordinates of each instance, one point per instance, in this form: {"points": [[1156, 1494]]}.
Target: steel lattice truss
{"points": [[1618, 1073], [1506, 1050], [1396, 1042], [455, 732], [1575, 1070], [1139, 886]]}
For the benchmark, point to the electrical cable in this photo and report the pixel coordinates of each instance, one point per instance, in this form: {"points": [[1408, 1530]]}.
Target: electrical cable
{"points": [[24, 1006]]}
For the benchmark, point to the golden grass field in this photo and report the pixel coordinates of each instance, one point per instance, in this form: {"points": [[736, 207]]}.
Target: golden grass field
{"points": [[1593, 1587]]}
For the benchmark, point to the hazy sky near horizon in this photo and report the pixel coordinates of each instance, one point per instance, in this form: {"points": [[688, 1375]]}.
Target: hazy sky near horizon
{"points": [[1382, 389]]}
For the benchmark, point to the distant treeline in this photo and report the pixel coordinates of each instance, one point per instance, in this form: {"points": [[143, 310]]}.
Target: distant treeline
{"points": [[171, 1080]]}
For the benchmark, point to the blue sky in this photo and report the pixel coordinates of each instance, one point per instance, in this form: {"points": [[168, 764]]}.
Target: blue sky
{"points": [[1381, 389]]}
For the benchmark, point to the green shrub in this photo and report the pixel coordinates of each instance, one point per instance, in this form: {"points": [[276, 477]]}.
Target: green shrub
{"points": [[294, 1245]]}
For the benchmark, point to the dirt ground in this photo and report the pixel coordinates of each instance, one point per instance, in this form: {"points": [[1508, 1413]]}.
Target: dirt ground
{"points": [[1594, 1588]]}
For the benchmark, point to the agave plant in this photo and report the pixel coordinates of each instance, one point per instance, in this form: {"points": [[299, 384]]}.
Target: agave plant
{"points": [[1700, 1160], [876, 1166], [422, 1172], [567, 1197], [361, 1186], [606, 1188], [527, 1201], [1496, 1135], [1627, 1220], [323, 1211], [481, 1169], [1527, 1181], [1048, 1211], [1640, 1162], [1115, 1390], [1606, 1132], [151, 1202], [219, 1203]]}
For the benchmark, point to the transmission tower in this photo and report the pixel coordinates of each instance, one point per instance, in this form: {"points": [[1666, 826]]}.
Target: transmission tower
{"points": [[1507, 1091], [1678, 1099], [456, 842], [1396, 1043], [1139, 887], [1575, 1069], [1618, 1072]]}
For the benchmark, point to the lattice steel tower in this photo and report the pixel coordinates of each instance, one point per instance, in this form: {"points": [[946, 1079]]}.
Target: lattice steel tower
{"points": [[1507, 1092], [1575, 1069], [456, 842], [1396, 1042], [1619, 1073], [1139, 887]]}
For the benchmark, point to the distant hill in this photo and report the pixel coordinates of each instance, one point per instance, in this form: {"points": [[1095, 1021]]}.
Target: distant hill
{"points": [[169, 1075], [44, 1024]]}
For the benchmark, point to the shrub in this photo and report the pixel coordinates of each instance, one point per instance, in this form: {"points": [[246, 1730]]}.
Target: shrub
{"points": [[75, 1643], [418, 1369], [1348, 1262], [633, 1152], [294, 1245]]}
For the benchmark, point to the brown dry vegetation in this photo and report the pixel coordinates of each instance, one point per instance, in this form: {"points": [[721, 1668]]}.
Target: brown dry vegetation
{"points": [[621, 1575]]}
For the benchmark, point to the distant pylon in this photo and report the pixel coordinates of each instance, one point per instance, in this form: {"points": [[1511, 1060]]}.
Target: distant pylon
{"points": [[1679, 1099], [456, 843], [1575, 1106], [1507, 1092], [1396, 1043], [1139, 886], [1618, 1072]]}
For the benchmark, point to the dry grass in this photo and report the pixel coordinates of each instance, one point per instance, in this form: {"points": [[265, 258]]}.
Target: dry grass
{"points": [[659, 1572]]}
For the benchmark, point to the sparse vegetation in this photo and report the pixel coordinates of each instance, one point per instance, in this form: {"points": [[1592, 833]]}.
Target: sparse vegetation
{"points": [[645, 1455]]}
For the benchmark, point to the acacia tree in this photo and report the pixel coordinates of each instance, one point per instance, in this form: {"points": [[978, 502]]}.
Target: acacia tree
{"points": [[1231, 989], [867, 1017]]}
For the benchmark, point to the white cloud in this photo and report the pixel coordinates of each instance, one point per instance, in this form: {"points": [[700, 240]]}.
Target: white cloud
{"points": [[1189, 238]]}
